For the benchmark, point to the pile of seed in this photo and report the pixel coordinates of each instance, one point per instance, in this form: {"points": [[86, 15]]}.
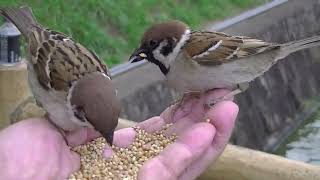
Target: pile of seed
{"points": [[125, 162]]}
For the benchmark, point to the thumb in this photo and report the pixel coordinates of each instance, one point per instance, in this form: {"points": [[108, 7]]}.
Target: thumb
{"points": [[75, 161], [81, 136], [70, 164]]}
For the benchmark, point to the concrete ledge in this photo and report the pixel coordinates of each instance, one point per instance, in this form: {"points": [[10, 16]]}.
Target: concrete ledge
{"points": [[245, 164], [13, 90]]}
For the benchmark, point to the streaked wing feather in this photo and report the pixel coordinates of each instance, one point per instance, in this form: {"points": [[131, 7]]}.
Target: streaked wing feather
{"points": [[59, 61], [214, 48]]}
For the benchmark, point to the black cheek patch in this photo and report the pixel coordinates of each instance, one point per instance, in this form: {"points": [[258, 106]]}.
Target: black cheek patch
{"points": [[168, 48]]}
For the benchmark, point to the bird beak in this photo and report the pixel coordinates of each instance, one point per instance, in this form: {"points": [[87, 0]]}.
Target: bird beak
{"points": [[109, 137], [139, 55]]}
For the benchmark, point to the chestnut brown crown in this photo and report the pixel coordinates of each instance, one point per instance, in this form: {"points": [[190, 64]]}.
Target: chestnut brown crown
{"points": [[158, 32]]}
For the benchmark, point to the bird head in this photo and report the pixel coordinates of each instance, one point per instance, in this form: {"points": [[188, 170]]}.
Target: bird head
{"points": [[93, 99], [161, 44]]}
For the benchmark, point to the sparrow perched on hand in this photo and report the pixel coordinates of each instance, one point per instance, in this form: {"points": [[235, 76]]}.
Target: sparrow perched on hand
{"points": [[198, 61], [69, 81]]}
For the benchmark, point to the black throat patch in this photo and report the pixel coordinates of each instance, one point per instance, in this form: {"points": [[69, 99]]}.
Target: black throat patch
{"points": [[161, 66]]}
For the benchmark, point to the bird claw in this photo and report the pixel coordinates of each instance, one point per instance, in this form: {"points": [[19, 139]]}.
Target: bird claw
{"points": [[180, 102], [215, 101], [240, 88]]}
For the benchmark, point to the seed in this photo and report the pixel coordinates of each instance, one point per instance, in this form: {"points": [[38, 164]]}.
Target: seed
{"points": [[125, 162]]}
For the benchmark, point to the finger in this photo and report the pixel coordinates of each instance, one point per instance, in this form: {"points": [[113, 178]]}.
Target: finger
{"points": [[171, 162], [81, 136], [153, 124], [124, 137], [108, 152], [180, 127], [223, 117], [74, 159], [199, 165], [70, 163], [183, 110], [195, 117], [167, 113], [193, 109], [178, 111]]}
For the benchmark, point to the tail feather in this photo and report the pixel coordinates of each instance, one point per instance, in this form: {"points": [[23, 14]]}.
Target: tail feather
{"points": [[294, 46], [21, 17]]}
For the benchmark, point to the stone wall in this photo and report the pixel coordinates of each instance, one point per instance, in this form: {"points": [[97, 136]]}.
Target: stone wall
{"points": [[275, 100]]}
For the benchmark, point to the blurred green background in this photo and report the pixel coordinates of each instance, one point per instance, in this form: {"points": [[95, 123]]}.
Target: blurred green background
{"points": [[113, 28]]}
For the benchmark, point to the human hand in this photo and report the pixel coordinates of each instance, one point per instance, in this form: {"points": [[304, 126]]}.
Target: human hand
{"points": [[199, 143], [34, 149]]}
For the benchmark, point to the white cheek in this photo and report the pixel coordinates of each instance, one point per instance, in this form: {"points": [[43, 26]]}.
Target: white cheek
{"points": [[156, 53], [158, 56], [186, 36], [167, 60]]}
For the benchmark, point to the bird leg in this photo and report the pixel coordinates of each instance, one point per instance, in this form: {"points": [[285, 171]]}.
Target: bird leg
{"points": [[187, 96], [182, 100], [240, 88]]}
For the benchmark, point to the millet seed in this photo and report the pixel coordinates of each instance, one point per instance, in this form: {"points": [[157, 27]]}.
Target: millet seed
{"points": [[125, 162]]}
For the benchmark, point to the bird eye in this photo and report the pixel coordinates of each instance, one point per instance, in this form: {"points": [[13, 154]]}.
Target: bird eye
{"points": [[152, 43]]}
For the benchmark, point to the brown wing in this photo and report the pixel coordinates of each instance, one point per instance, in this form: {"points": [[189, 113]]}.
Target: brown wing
{"points": [[214, 48], [59, 60]]}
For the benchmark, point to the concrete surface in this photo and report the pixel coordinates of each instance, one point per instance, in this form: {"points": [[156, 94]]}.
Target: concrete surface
{"points": [[246, 164], [13, 90]]}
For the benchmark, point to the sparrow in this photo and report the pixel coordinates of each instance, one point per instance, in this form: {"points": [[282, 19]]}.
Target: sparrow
{"points": [[69, 81], [199, 61]]}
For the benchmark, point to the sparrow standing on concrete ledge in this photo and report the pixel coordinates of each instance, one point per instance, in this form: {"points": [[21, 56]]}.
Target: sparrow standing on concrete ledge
{"points": [[69, 81], [199, 61]]}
